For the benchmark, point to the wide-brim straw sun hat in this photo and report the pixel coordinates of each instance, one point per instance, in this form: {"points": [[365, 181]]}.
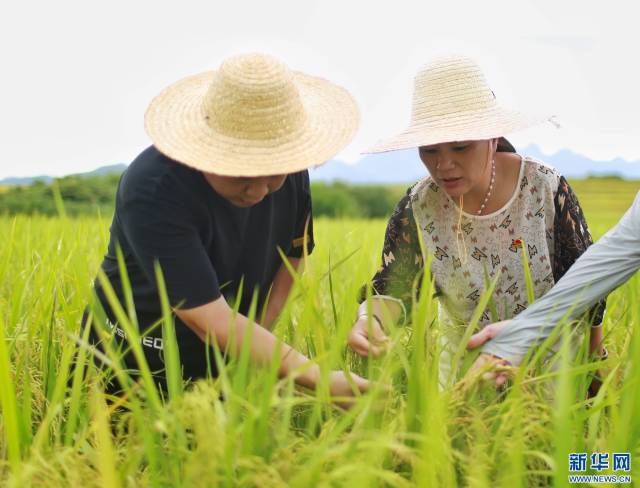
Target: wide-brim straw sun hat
{"points": [[452, 101], [252, 117]]}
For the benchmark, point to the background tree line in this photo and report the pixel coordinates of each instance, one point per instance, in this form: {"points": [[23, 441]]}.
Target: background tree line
{"points": [[90, 195]]}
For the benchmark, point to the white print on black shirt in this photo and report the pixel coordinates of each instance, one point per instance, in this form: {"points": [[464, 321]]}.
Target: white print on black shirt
{"points": [[147, 341]]}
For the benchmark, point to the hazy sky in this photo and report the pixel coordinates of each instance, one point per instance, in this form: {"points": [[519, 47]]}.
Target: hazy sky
{"points": [[77, 75]]}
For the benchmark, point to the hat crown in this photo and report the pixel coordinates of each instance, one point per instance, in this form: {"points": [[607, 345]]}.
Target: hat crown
{"points": [[449, 86], [254, 97]]}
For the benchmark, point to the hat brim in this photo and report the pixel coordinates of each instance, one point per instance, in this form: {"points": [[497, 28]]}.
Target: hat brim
{"points": [[176, 123], [466, 126]]}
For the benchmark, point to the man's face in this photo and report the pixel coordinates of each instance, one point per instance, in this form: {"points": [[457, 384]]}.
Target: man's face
{"points": [[245, 191]]}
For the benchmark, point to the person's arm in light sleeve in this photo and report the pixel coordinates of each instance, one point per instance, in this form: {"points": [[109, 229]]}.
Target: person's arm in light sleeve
{"points": [[603, 267]]}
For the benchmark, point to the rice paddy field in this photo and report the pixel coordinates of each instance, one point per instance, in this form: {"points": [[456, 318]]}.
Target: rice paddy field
{"points": [[249, 428]]}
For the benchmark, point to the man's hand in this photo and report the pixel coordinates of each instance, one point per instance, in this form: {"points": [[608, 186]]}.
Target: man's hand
{"points": [[364, 343], [340, 387], [495, 368], [486, 334]]}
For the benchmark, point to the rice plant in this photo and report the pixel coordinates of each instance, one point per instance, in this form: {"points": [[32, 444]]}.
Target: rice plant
{"points": [[247, 427]]}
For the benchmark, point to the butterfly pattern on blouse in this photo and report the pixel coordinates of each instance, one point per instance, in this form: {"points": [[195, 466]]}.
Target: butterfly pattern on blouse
{"points": [[539, 202]]}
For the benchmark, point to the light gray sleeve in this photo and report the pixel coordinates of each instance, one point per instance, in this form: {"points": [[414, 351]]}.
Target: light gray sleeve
{"points": [[603, 267]]}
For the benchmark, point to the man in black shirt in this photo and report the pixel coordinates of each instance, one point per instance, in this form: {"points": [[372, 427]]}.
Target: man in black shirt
{"points": [[224, 188]]}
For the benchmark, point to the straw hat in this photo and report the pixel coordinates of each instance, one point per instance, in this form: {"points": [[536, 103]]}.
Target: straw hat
{"points": [[252, 117], [453, 102]]}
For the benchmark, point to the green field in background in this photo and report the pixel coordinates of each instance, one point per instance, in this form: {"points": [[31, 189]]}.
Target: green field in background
{"points": [[604, 200]]}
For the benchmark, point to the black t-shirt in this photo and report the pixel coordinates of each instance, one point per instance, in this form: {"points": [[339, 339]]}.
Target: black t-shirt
{"points": [[206, 246]]}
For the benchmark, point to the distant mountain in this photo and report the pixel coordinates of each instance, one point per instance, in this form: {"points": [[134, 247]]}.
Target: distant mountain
{"points": [[105, 170], [406, 167], [392, 167], [27, 180], [578, 166], [399, 167]]}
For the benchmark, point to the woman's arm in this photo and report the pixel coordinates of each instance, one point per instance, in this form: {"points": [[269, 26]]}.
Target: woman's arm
{"points": [[392, 285], [571, 240], [367, 333], [602, 268]]}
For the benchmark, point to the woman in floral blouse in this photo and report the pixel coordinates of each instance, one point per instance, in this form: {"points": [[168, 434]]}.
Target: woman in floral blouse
{"points": [[480, 207]]}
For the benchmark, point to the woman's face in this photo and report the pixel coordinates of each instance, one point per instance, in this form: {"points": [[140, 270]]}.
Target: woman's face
{"points": [[459, 167], [245, 192]]}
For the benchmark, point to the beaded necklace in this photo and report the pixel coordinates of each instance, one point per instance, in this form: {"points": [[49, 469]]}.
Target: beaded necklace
{"points": [[493, 180]]}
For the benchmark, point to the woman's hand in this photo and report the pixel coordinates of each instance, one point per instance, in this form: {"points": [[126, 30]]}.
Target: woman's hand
{"points": [[368, 339]]}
